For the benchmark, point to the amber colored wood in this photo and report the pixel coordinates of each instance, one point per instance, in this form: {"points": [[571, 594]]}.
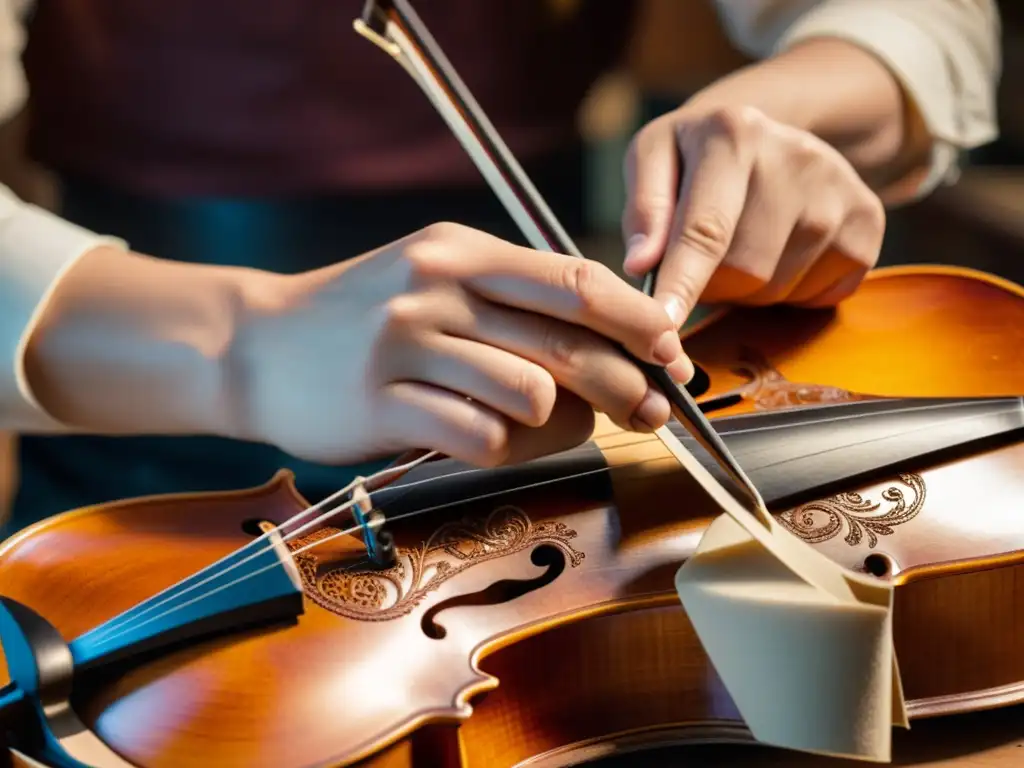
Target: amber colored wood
{"points": [[602, 659]]}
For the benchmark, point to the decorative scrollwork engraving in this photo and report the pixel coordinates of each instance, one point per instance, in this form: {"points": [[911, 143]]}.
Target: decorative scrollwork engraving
{"points": [[820, 521], [769, 389], [354, 591]]}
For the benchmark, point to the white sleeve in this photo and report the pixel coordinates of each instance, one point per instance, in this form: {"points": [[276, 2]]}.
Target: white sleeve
{"points": [[945, 53], [36, 249]]}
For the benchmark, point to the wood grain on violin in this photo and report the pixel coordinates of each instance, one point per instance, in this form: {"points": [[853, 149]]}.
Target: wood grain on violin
{"points": [[531, 615]]}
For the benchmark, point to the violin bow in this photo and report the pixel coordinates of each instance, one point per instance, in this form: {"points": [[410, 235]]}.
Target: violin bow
{"points": [[394, 27]]}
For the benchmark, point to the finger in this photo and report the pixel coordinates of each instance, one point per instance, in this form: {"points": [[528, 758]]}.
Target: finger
{"points": [[422, 416], [577, 291], [832, 267], [852, 252], [507, 383], [579, 360], [807, 243], [651, 171], [417, 415], [711, 203], [571, 424], [757, 258]]}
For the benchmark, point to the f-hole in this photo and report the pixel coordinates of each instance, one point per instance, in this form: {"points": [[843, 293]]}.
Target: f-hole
{"points": [[700, 383], [546, 556]]}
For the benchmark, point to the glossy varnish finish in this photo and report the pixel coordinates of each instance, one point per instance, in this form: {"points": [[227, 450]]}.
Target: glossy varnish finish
{"points": [[586, 637]]}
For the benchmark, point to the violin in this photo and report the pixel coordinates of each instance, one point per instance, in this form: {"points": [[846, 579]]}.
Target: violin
{"points": [[527, 614], [530, 612]]}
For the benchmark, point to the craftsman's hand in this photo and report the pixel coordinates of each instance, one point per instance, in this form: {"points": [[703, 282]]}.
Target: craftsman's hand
{"points": [[738, 208], [456, 341]]}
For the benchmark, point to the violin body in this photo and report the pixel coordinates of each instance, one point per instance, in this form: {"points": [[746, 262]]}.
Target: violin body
{"points": [[539, 622]]}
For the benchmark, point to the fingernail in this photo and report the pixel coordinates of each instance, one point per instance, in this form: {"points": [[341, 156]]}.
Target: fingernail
{"points": [[651, 413], [634, 246], [668, 348], [674, 308], [681, 369]]}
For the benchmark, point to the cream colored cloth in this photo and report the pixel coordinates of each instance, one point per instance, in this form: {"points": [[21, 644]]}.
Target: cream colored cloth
{"points": [[803, 646], [946, 53]]}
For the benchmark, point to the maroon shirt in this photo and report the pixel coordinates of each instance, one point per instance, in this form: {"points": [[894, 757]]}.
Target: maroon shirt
{"points": [[266, 97]]}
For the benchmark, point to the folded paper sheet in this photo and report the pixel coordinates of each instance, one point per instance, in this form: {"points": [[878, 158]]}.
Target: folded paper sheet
{"points": [[803, 645]]}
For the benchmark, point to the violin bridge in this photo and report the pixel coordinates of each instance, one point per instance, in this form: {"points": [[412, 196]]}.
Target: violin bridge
{"points": [[380, 548]]}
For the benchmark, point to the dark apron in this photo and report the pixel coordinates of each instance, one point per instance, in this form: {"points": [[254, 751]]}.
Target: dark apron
{"points": [[62, 473]]}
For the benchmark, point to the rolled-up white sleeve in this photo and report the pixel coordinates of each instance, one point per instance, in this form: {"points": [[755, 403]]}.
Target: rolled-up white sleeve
{"points": [[36, 249], [945, 53]]}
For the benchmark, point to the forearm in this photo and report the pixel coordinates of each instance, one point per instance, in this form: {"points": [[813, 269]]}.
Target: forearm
{"points": [[840, 93], [901, 87], [131, 344]]}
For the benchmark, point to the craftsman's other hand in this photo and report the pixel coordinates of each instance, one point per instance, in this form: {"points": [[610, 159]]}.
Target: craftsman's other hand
{"points": [[734, 207], [450, 340]]}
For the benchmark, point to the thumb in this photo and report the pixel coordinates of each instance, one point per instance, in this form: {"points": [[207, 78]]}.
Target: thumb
{"points": [[652, 184]]}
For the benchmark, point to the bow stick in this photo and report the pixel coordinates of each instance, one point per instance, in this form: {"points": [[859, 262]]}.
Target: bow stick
{"points": [[395, 28], [815, 605]]}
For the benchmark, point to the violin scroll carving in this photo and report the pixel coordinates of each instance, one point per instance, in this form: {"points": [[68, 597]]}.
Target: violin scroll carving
{"points": [[768, 389], [820, 521], [357, 592]]}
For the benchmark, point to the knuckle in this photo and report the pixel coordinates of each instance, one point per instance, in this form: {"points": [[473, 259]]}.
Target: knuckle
{"points": [[564, 350], [811, 161], [426, 251], [583, 278], [864, 231], [874, 212], [634, 397], [708, 231], [687, 290], [491, 436], [737, 123], [649, 205], [537, 388], [401, 313], [422, 257], [442, 231], [822, 222], [807, 146]]}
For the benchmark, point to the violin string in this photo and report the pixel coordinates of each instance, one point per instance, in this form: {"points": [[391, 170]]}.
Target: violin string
{"points": [[403, 490], [134, 625], [757, 468], [396, 518], [390, 470], [172, 592]]}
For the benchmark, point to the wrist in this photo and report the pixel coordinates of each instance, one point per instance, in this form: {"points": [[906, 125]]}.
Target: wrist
{"points": [[130, 344], [830, 87]]}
